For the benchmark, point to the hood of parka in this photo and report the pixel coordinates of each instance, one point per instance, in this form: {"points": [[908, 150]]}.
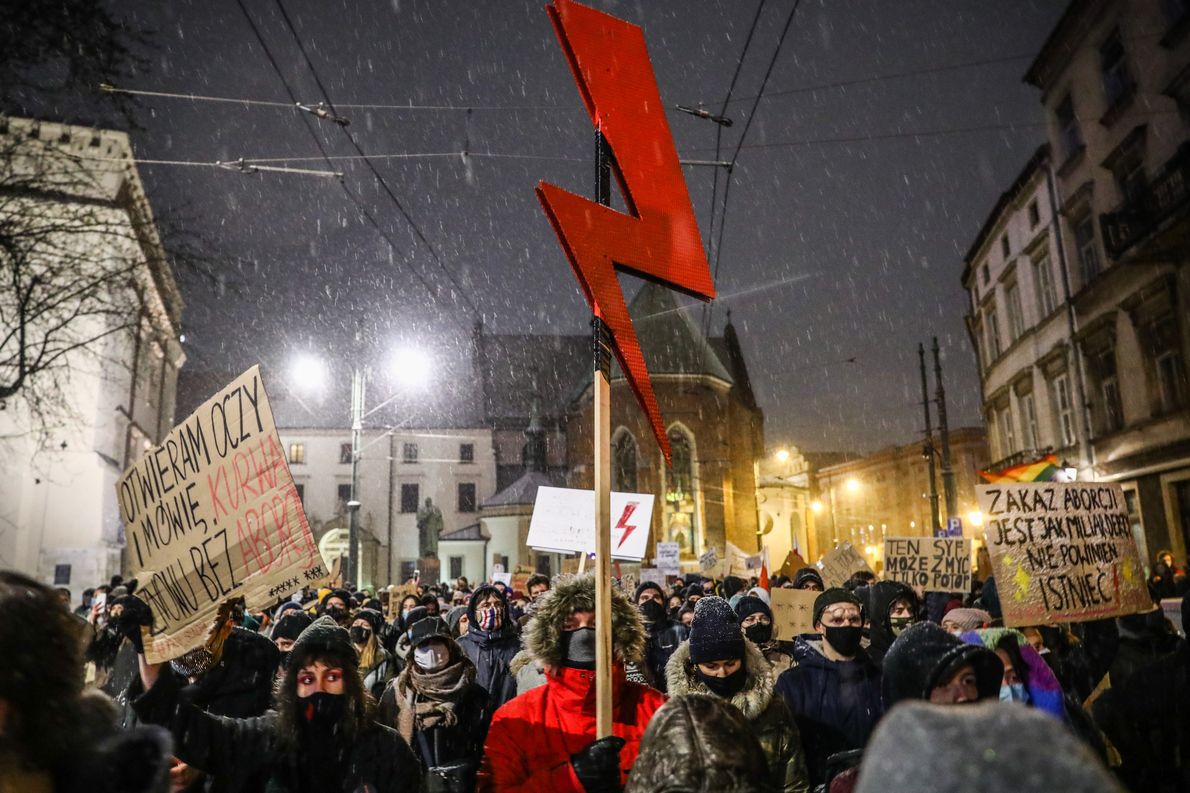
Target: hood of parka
{"points": [[751, 701], [700, 744], [542, 636]]}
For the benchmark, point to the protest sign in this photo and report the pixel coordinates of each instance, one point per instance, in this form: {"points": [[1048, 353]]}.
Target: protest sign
{"points": [[1062, 552], [502, 578], [654, 575], [520, 582], [937, 564], [793, 562], [564, 521], [668, 557], [793, 613], [211, 514], [737, 560], [840, 564], [709, 560]]}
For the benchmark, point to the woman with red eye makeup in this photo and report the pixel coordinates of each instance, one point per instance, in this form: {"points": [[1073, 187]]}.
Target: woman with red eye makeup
{"points": [[320, 736]]}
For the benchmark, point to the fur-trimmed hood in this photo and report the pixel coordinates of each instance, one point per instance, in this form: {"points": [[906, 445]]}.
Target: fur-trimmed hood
{"points": [[757, 692], [543, 634]]}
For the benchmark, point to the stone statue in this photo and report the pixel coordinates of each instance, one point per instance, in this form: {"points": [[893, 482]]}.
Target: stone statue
{"points": [[429, 527]]}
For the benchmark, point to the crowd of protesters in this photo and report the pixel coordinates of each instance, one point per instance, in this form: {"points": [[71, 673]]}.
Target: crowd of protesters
{"points": [[461, 688]]}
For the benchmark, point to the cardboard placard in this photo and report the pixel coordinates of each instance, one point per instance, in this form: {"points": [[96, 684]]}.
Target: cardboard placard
{"points": [[669, 557], [654, 575], [1062, 552], [937, 564], [564, 521], [520, 582], [793, 562], [793, 613], [737, 561], [211, 514], [709, 560], [840, 564], [502, 578]]}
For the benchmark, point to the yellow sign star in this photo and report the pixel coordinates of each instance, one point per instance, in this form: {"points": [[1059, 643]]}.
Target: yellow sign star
{"points": [[1022, 579]]}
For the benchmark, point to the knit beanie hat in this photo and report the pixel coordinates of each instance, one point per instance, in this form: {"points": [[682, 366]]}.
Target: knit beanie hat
{"points": [[750, 605], [342, 594], [453, 617], [291, 624], [374, 619], [924, 656], [647, 585], [968, 619], [324, 638], [807, 573], [715, 633], [762, 593], [829, 598]]}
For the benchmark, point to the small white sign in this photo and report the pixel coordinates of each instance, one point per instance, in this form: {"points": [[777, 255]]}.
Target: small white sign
{"points": [[564, 522], [669, 557], [708, 560], [502, 578]]}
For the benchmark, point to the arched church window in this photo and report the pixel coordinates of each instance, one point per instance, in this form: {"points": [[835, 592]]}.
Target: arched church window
{"points": [[681, 495], [624, 463]]}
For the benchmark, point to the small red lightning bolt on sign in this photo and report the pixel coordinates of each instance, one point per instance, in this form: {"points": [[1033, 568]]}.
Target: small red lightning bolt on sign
{"points": [[658, 239], [622, 523]]}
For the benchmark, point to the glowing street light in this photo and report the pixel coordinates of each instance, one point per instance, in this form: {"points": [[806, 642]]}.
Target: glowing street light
{"points": [[782, 455], [308, 372], [975, 517], [816, 506], [852, 485], [411, 367]]}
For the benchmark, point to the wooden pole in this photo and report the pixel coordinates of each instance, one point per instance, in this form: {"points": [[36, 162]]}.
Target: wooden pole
{"points": [[602, 474]]}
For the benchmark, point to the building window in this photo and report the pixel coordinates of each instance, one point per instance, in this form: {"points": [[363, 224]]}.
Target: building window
{"points": [[297, 453], [983, 273], [1104, 366], [408, 452], [456, 567], [1128, 168], [466, 452], [1034, 214], [1084, 243], [681, 519], [409, 498], [1029, 422], [1171, 370], [1113, 69], [61, 574], [1043, 276], [624, 467], [342, 496], [301, 492], [466, 496], [1016, 317], [1068, 129], [1005, 249], [344, 453], [1064, 407], [1007, 433], [992, 328]]}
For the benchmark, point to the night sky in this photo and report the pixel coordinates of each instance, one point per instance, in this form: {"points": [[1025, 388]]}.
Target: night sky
{"points": [[845, 230]]}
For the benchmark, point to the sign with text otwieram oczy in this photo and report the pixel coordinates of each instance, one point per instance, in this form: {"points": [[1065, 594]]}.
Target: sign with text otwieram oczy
{"points": [[212, 514], [1062, 552]]}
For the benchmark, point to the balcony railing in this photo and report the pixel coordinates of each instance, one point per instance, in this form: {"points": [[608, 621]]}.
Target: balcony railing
{"points": [[1165, 197]]}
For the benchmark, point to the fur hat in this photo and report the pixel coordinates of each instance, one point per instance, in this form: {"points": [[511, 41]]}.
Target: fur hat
{"points": [[715, 633], [924, 656], [543, 633], [324, 638]]}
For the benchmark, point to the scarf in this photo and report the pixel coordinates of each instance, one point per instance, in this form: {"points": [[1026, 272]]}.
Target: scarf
{"points": [[426, 700]]}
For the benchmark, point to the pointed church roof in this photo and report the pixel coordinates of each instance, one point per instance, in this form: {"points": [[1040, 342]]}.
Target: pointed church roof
{"points": [[670, 340]]}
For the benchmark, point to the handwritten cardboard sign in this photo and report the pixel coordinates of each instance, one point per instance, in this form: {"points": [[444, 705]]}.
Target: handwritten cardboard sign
{"points": [[564, 521], [709, 560], [793, 613], [1062, 552], [653, 575], [840, 564], [937, 564], [211, 514], [668, 557]]}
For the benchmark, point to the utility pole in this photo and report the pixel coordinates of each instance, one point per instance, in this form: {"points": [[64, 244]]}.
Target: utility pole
{"points": [[952, 501], [357, 427], [928, 450]]}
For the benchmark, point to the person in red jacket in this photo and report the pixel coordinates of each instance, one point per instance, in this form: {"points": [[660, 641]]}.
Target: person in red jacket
{"points": [[545, 738]]}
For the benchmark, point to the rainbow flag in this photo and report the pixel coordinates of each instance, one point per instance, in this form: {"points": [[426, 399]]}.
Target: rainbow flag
{"points": [[1042, 470]]}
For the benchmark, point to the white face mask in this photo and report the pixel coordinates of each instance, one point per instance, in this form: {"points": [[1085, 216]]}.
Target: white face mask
{"points": [[431, 656]]}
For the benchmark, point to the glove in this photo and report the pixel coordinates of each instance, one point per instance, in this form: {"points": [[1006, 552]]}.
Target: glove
{"points": [[133, 614], [597, 766]]}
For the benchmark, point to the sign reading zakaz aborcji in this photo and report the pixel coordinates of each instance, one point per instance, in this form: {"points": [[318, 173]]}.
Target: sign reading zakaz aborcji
{"points": [[211, 514], [1062, 552]]}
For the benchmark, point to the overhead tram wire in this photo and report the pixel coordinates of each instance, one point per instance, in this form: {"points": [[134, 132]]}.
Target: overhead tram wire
{"points": [[355, 145], [342, 184], [719, 142], [739, 146]]}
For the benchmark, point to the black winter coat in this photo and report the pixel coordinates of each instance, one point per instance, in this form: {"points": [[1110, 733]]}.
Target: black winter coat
{"points": [[836, 704], [378, 761], [663, 639], [443, 746], [492, 652]]}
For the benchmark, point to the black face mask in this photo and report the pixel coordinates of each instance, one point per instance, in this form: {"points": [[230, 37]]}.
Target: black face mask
{"points": [[322, 710], [725, 687], [844, 638], [652, 611], [335, 613], [359, 634], [578, 648], [758, 633]]}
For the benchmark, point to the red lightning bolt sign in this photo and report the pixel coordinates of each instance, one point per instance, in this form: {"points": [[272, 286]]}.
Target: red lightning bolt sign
{"points": [[659, 238], [622, 523]]}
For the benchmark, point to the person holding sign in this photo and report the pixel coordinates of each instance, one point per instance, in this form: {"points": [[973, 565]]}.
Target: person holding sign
{"points": [[834, 691], [320, 737], [756, 619], [717, 660]]}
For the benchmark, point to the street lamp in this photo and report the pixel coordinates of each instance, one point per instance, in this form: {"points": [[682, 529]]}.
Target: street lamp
{"points": [[816, 506], [852, 485], [782, 455], [975, 517]]}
